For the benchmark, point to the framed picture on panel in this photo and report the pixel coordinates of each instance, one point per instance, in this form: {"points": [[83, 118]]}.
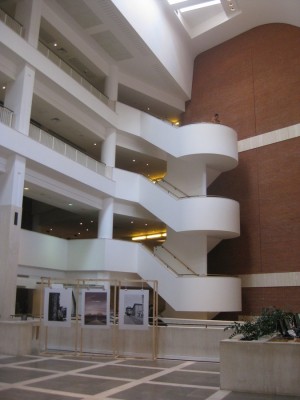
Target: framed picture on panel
{"points": [[133, 309], [95, 308], [57, 306]]}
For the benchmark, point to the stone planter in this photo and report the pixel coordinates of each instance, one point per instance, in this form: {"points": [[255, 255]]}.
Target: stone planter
{"points": [[267, 367]]}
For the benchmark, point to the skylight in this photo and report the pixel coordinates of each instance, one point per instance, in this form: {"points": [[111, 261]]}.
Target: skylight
{"points": [[189, 5], [200, 16], [200, 5]]}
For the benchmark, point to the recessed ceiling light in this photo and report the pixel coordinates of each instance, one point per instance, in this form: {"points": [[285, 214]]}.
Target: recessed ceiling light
{"points": [[70, 204], [26, 188], [55, 44], [3, 87], [133, 160]]}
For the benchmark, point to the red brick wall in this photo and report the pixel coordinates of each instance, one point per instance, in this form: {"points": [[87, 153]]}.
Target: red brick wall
{"points": [[285, 298], [266, 183], [252, 81]]}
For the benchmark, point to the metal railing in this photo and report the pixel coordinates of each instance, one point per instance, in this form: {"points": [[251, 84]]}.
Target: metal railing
{"points": [[171, 189], [172, 262], [11, 23], [75, 75], [6, 116], [37, 134], [66, 150], [18, 28], [179, 194]]}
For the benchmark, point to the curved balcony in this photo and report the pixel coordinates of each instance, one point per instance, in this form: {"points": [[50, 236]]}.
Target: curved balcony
{"points": [[215, 216], [184, 293], [214, 144]]}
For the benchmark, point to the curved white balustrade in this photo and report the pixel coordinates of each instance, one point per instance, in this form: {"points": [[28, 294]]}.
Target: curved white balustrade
{"points": [[215, 216], [212, 215], [215, 144]]}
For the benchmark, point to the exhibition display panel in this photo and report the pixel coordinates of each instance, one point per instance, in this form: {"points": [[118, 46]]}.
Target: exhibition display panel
{"points": [[99, 316]]}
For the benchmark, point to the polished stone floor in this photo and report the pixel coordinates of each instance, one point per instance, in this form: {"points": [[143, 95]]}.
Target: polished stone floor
{"points": [[63, 377]]}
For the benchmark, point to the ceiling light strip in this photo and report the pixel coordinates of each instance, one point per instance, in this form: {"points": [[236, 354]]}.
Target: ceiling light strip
{"points": [[147, 237]]}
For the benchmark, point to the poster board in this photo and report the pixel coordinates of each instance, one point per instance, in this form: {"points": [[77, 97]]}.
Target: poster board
{"points": [[134, 309], [95, 308], [57, 306]]}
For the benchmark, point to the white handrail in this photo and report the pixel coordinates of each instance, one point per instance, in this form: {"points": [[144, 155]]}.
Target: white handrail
{"points": [[75, 75], [18, 28], [12, 23], [66, 150], [6, 116]]}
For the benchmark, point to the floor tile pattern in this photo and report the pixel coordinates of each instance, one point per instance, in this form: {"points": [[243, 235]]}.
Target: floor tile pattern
{"points": [[89, 377]]}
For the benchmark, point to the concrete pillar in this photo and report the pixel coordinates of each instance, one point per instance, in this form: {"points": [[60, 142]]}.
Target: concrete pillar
{"points": [[11, 195], [28, 13], [105, 219], [201, 265], [191, 250], [111, 84], [202, 179], [18, 98], [187, 174], [108, 149]]}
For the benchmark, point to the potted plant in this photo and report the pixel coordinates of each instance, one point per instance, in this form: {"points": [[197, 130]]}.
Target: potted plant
{"points": [[271, 321]]}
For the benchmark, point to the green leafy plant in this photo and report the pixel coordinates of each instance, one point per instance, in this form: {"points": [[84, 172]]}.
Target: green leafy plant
{"points": [[266, 324]]}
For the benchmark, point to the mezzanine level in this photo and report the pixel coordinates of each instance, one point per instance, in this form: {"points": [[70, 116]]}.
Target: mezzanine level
{"points": [[18, 28], [57, 145]]}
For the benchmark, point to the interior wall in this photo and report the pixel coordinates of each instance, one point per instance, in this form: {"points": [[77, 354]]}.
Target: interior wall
{"points": [[286, 298], [267, 185], [253, 82]]}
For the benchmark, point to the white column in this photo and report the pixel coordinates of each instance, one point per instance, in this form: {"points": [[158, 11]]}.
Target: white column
{"points": [[187, 174], [105, 219], [201, 266], [111, 84], [108, 149], [18, 98], [202, 179], [11, 195], [28, 13]]}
